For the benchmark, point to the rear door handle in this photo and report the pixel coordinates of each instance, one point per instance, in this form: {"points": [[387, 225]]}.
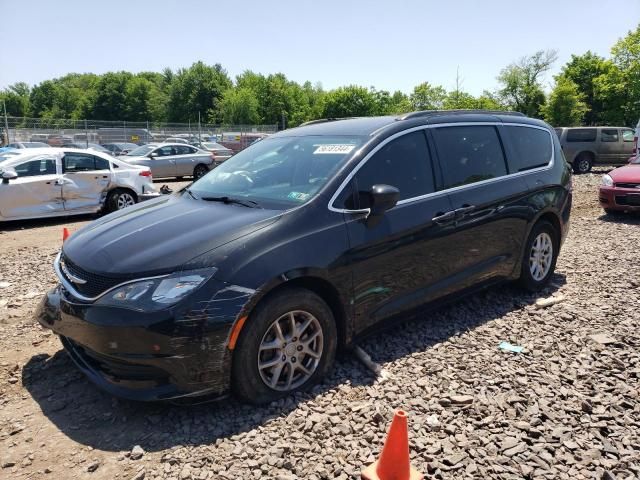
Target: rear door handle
{"points": [[464, 210], [444, 217]]}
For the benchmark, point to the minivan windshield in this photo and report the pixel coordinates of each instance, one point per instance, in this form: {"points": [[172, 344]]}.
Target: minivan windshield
{"points": [[278, 172]]}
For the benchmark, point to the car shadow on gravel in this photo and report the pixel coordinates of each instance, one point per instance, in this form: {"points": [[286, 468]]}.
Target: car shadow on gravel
{"points": [[93, 418], [629, 218], [13, 225]]}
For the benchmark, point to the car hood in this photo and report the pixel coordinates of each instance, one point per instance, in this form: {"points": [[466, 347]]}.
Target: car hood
{"points": [[159, 236], [626, 174]]}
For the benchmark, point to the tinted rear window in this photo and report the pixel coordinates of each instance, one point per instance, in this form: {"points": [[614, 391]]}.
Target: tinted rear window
{"points": [[469, 154], [581, 135], [532, 147]]}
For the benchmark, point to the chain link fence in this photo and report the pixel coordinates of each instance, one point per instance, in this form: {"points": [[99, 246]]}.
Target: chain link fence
{"points": [[58, 132]]}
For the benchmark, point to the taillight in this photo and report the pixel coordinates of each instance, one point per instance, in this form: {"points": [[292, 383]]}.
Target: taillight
{"points": [[213, 156], [145, 173]]}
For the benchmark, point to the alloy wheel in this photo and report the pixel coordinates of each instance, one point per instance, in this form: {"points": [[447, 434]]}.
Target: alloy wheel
{"points": [[290, 350], [125, 200], [541, 256]]}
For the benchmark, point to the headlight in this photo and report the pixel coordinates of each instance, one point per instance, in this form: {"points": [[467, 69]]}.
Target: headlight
{"points": [[607, 181], [155, 294]]}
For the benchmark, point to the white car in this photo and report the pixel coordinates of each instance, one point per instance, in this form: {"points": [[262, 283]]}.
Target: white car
{"points": [[54, 182], [636, 140]]}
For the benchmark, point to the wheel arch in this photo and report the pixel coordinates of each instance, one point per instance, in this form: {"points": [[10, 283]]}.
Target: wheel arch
{"points": [[316, 284]]}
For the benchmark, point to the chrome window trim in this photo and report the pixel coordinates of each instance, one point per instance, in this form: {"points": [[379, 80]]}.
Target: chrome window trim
{"points": [[446, 191], [79, 296]]}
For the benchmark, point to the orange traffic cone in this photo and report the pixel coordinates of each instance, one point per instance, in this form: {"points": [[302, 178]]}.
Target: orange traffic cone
{"points": [[65, 234], [393, 463]]}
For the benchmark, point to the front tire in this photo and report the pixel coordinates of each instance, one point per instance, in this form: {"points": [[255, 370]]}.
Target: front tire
{"points": [[288, 344], [119, 199], [540, 256]]}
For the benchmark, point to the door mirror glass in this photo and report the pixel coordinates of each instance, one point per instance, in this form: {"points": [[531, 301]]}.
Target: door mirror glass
{"points": [[153, 154], [9, 174], [383, 198]]}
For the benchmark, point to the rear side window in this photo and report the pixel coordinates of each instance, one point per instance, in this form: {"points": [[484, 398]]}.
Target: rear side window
{"points": [[469, 154], [581, 135], [101, 163], [77, 162], [532, 147], [609, 135], [403, 163]]}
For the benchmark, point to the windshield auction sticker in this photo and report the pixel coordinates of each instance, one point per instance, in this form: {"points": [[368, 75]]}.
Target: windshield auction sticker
{"points": [[334, 149]]}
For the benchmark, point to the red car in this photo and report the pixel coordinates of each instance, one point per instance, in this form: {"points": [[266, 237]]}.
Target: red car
{"points": [[620, 188]]}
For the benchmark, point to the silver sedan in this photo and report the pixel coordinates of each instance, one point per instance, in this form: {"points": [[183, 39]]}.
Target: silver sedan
{"points": [[172, 160]]}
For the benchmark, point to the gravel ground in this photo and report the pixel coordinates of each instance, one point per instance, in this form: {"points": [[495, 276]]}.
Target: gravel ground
{"points": [[567, 407]]}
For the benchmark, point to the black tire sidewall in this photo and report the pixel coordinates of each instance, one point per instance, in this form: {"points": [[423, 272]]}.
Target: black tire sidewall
{"points": [[199, 168], [246, 382], [577, 168], [526, 280], [112, 200]]}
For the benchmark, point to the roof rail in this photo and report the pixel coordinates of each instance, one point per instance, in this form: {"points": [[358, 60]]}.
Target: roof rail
{"points": [[429, 113], [324, 120]]}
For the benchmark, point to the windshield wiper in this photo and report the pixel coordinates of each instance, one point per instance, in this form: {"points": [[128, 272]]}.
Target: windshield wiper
{"points": [[237, 201], [191, 193]]}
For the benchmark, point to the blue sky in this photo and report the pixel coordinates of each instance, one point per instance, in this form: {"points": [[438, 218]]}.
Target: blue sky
{"points": [[393, 44]]}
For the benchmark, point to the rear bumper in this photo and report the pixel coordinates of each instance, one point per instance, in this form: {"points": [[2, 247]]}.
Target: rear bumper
{"points": [[140, 356], [619, 199]]}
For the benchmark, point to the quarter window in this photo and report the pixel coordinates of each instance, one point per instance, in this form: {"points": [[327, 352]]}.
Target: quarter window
{"points": [[101, 163], [35, 168], [581, 135], [403, 163], [627, 135], [609, 135], [532, 147], [469, 154]]}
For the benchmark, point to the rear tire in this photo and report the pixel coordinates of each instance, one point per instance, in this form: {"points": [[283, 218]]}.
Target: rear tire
{"points": [[119, 199], [583, 163], [272, 359], [200, 171], [540, 256]]}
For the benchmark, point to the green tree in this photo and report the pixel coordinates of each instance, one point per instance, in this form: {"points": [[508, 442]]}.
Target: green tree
{"points": [[110, 102], [565, 106], [625, 55], [427, 97], [239, 106], [16, 99], [144, 99], [351, 101], [197, 89], [521, 82], [583, 70]]}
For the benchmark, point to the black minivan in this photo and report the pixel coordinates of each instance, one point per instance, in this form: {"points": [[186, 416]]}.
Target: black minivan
{"points": [[249, 279]]}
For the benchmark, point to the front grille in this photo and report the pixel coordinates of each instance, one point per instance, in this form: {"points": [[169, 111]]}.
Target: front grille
{"points": [[628, 185], [621, 200], [96, 284]]}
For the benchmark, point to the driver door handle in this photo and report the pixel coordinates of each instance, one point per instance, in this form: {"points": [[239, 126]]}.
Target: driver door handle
{"points": [[465, 209], [445, 217]]}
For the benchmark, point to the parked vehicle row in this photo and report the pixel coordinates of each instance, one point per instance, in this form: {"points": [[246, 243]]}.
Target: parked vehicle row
{"points": [[51, 182], [584, 147], [250, 279], [172, 160]]}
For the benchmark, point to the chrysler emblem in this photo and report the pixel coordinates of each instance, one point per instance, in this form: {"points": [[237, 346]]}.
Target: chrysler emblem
{"points": [[70, 276]]}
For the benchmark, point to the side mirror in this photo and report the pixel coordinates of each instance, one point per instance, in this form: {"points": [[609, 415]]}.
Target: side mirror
{"points": [[153, 154], [383, 198], [9, 174]]}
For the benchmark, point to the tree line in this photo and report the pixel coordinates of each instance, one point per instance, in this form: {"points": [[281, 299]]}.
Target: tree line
{"points": [[589, 90]]}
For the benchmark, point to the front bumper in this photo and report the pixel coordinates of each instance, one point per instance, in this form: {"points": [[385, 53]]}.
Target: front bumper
{"points": [[175, 353], [619, 199]]}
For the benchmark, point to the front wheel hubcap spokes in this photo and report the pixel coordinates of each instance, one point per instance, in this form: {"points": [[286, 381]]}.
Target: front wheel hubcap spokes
{"points": [[290, 350], [541, 256]]}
